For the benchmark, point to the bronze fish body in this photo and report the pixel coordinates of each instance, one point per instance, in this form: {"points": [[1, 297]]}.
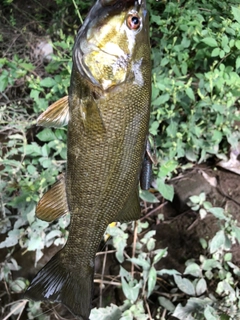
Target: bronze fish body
{"points": [[109, 106]]}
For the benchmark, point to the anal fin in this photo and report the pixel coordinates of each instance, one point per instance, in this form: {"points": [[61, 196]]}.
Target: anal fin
{"points": [[53, 204]]}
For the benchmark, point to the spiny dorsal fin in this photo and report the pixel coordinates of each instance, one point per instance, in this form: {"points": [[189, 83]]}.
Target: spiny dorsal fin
{"points": [[56, 115], [53, 204]]}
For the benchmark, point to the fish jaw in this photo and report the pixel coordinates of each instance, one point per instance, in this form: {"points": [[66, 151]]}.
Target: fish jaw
{"points": [[106, 45]]}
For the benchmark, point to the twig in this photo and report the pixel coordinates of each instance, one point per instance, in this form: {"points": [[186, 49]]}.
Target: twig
{"points": [[78, 13], [148, 309], [134, 245], [102, 275], [103, 252], [107, 282], [193, 224], [22, 304], [154, 210], [164, 314]]}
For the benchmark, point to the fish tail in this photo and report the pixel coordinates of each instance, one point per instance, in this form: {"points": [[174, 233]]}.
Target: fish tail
{"points": [[55, 282]]}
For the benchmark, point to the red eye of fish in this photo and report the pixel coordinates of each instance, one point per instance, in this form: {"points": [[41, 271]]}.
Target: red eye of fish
{"points": [[133, 22]]}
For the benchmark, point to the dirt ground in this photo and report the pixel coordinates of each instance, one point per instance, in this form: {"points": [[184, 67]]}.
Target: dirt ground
{"points": [[181, 228]]}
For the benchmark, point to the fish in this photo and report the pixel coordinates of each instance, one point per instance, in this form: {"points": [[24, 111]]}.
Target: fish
{"points": [[107, 112]]}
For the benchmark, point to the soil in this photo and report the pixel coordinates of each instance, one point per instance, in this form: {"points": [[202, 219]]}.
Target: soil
{"points": [[181, 227]]}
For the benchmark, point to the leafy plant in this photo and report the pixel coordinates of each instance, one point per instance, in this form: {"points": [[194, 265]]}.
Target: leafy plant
{"points": [[196, 83]]}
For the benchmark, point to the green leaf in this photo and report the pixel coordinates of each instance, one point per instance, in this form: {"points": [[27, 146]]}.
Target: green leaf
{"points": [[111, 312], [201, 287], [47, 82], [228, 256], [12, 239], [32, 149], [202, 213], [210, 264], [236, 231], [237, 44], [238, 63], [218, 213], [209, 313], [18, 285], [119, 241], [166, 190], [3, 80], [35, 243], [190, 93], [135, 311], [140, 262], [170, 272], [167, 167], [211, 42], [34, 94], [27, 66], [145, 195], [131, 289], [154, 128], [166, 303], [151, 245], [46, 163], [194, 270], [236, 13], [152, 278], [31, 169], [161, 253], [215, 52], [217, 241], [184, 312], [164, 61], [161, 100], [184, 285], [194, 199], [46, 135]]}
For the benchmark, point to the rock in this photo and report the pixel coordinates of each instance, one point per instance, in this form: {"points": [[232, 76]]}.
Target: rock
{"points": [[44, 50]]}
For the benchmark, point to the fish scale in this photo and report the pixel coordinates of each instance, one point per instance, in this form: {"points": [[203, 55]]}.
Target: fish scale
{"points": [[107, 114]]}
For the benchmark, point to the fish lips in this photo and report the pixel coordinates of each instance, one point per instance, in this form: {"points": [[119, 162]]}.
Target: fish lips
{"points": [[98, 13]]}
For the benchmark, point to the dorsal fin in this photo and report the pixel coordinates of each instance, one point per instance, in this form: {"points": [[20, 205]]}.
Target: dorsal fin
{"points": [[56, 115]]}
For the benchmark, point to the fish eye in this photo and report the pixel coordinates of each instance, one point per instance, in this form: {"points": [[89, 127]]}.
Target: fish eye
{"points": [[133, 21]]}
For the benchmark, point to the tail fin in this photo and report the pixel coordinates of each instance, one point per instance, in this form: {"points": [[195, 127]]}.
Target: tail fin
{"points": [[55, 282]]}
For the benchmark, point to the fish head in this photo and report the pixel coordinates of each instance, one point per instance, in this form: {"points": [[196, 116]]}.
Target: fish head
{"points": [[108, 44]]}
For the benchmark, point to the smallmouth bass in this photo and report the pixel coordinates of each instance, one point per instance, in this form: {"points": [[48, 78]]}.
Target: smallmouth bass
{"points": [[107, 112]]}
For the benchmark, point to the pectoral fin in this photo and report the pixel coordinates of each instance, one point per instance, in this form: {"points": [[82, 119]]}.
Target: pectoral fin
{"points": [[53, 204], [92, 119], [56, 115], [131, 210], [146, 172]]}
